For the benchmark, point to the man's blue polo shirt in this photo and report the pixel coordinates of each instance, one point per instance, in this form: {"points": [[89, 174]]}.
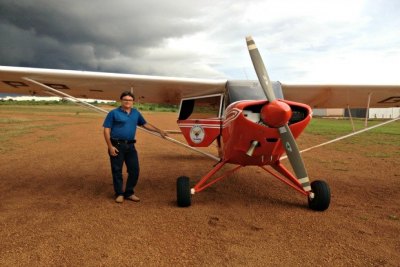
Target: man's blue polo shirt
{"points": [[122, 124]]}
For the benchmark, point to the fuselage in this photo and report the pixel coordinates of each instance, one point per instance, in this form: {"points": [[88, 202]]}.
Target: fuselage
{"points": [[240, 123]]}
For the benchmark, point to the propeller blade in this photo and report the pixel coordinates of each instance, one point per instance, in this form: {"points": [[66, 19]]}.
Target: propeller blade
{"points": [[260, 69], [293, 154], [288, 141]]}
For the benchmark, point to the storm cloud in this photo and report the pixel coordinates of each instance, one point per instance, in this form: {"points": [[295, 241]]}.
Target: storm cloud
{"points": [[87, 35]]}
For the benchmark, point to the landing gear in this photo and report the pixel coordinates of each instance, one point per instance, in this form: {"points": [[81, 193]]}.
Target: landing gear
{"points": [[183, 192], [321, 196]]}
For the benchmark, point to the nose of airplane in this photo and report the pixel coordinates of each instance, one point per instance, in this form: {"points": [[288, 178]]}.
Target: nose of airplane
{"points": [[276, 114]]}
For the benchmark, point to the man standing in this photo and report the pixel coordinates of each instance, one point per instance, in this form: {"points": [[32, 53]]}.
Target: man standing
{"points": [[119, 132]]}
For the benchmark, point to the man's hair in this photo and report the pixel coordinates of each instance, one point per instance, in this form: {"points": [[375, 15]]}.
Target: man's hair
{"points": [[127, 93]]}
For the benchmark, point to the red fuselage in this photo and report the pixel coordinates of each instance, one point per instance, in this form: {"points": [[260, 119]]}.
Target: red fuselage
{"points": [[240, 126]]}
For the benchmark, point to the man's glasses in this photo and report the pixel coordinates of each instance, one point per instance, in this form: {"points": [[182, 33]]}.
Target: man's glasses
{"points": [[127, 100]]}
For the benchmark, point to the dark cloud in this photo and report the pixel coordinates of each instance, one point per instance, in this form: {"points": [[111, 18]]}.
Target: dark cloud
{"points": [[106, 22], [82, 34]]}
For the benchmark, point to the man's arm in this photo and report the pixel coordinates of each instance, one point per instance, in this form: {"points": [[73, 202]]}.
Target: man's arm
{"points": [[153, 128], [111, 149]]}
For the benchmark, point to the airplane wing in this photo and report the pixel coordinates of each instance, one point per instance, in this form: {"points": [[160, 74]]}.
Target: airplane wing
{"points": [[156, 89], [341, 96], [105, 86]]}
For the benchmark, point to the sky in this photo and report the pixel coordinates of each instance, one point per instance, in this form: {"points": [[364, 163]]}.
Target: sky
{"points": [[308, 41]]}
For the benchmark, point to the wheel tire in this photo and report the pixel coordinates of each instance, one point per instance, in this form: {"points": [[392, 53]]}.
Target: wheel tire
{"points": [[183, 192], [322, 196]]}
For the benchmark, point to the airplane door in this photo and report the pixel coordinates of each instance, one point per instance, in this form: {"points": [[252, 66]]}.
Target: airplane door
{"points": [[200, 119]]}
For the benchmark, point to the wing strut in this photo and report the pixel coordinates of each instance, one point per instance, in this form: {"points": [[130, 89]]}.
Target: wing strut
{"points": [[100, 110], [367, 113], [351, 118], [63, 95], [78, 103]]}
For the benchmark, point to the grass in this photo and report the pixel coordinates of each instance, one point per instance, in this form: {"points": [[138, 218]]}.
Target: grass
{"points": [[388, 134], [14, 120], [18, 120], [7, 132], [48, 138], [382, 142], [333, 127], [378, 155], [48, 109], [40, 106], [33, 102], [157, 107]]}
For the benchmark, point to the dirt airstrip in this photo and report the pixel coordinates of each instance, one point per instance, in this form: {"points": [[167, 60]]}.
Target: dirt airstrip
{"points": [[57, 206]]}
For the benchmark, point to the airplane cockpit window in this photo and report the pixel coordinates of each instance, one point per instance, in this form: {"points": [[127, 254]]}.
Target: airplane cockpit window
{"points": [[249, 90], [201, 107], [244, 90]]}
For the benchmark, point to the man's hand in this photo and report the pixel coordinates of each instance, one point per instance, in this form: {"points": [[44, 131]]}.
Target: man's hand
{"points": [[113, 151], [154, 129]]}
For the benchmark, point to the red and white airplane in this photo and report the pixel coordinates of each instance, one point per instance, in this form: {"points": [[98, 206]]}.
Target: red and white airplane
{"points": [[252, 122]]}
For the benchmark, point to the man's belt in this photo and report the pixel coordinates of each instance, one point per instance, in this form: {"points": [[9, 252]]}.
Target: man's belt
{"points": [[121, 141]]}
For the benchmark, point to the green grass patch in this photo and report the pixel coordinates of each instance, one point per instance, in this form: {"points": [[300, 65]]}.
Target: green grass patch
{"points": [[14, 131], [378, 155], [13, 120], [69, 107], [6, 149], [388, 134], [154, 107], [48, 109], [48, 138], [33, 102], [334, 127]]}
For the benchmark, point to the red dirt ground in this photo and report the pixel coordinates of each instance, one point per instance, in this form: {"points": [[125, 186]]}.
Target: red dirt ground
{"points": [[57, 205]]}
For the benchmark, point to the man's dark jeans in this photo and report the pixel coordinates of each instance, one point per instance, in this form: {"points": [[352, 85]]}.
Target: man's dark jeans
{"points": [[128, 154]]}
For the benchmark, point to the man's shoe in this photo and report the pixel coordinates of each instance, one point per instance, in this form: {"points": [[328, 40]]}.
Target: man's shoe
{"points": [[119, 199], [133, 198]]}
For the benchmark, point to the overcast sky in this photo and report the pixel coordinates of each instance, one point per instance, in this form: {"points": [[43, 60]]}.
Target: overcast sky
{"points": [[339, 41]]}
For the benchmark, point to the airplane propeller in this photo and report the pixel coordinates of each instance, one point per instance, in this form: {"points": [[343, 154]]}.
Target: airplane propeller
{"points": [[276, 114]]}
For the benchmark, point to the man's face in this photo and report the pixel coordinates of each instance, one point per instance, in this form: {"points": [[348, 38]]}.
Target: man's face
{"points": [[127, 102]]}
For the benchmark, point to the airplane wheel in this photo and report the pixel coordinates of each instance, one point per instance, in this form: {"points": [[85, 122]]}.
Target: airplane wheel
{"points": [[183, 192], [322, 196]]}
